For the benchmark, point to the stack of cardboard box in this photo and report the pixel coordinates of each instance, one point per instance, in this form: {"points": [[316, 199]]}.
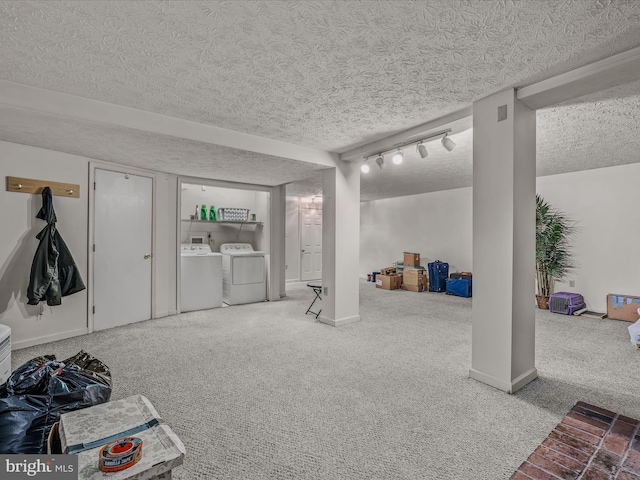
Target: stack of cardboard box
{"points": [[388, 279], [415, 280], [414, 276], [409, 275]]}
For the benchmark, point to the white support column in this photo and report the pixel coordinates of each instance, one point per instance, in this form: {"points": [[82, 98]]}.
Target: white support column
{"points": [[504, 182], [340, 244], [276, 243]]}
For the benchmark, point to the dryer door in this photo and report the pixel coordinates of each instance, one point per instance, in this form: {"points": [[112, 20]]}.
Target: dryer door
{"points": [[248, 269]]}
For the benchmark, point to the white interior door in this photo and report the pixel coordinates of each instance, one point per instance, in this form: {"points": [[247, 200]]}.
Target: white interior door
{"points": [[123, 209], [311, 243]]}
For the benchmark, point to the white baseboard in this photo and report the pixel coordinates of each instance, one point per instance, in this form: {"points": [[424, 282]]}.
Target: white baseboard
{"points": [[47, 338], [340, 321], [509, 386]]}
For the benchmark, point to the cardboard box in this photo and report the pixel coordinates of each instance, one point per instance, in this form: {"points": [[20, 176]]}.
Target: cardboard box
{"points": [[411, 259], [388, 282], [414, 288], [419, 285], [388, 270], [53, 441], [623, 307], [413, 276], [86, 431]]}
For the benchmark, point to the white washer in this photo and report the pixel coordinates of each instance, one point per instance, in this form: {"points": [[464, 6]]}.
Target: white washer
{"points": [[200, 277], [244, 274]]}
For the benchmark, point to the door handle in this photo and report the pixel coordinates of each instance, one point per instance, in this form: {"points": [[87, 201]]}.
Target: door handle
{"points": [[147, 256]]}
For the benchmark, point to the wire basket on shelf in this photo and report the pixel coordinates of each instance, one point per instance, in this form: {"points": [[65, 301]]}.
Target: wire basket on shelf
{"points": [[233, 214]]}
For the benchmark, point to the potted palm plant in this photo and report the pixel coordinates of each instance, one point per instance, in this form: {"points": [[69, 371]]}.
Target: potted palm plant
{"points": [[553, 249]]}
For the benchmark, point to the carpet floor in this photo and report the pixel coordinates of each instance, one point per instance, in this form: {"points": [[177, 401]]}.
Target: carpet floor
{"points": [[263, 391]]}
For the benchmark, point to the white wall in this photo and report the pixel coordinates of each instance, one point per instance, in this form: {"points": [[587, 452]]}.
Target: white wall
{"points": [[166, 247], [435, 225], [292, 239], [30, 325], [604, 202], [193, 195], [264, 214], [256, 201]]}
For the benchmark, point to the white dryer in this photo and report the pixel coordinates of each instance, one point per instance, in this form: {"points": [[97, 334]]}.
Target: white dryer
{"points": [[200, 277], [244, 274]]}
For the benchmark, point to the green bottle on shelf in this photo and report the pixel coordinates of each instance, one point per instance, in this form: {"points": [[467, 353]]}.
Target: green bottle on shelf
{"points": [[212, 213], [203, 212]]}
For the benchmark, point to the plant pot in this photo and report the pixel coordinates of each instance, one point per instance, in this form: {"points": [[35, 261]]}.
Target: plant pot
{"points": [[543, 302]]}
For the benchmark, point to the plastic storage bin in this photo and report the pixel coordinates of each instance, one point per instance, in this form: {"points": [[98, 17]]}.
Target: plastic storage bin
{"points": [[233, 214]]}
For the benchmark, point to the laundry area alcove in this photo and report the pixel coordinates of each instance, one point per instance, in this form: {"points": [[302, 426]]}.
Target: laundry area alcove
{"points": [[224, 246]]}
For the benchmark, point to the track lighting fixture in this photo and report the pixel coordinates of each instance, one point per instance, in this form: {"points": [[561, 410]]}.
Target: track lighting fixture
{"points": [[422, 150], [398, 157], [448, 143]]}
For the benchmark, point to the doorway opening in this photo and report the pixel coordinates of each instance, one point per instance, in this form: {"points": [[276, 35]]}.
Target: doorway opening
{"points": [[226, 221]]}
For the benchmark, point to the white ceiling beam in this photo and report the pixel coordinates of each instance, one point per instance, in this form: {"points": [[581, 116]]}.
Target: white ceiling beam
{"points": [[609, 72], [612, 71], [457, 121], [38, 99]]}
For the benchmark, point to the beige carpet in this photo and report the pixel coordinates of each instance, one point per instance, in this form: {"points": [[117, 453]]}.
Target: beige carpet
{"points": [[264, 391]]}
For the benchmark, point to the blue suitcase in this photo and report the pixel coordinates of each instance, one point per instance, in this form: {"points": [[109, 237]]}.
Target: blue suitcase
{"points": [[438, 273], [460, 287]]}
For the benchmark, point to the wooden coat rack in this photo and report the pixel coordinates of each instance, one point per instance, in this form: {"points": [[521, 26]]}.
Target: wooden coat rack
{"points": [[29, 185]]}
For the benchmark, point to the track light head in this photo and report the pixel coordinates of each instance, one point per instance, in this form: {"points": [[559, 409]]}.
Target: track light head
{"points": [[365, 167], [422, 150], [380, 161], [397, 157], [448, 143]]}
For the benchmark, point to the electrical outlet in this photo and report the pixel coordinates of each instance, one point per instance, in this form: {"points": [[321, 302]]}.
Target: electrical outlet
{"points": [[326, 291], [286, 266], [572, 283]]}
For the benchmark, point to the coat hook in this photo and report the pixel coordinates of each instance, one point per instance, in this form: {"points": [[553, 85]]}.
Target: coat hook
{"points": [[19, 185], [70, 192]]}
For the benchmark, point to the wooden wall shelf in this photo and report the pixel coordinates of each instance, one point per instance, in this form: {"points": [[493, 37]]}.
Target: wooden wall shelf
{"points": [[29, 185]]}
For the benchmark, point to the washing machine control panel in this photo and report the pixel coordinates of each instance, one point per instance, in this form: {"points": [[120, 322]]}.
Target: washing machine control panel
{"points": [[235, 248], [197, 248]]}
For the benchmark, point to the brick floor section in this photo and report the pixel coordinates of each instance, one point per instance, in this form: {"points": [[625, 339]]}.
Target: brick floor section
{"points": [[590, 443]]}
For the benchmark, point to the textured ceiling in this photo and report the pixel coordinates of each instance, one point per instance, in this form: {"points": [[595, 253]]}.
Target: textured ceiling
{"points": [[329, 75], [599, 130], [142, 149]]}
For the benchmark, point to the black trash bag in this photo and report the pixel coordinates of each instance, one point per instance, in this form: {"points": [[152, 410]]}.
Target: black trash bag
{"points": [[31, 377], [38, 392]]}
